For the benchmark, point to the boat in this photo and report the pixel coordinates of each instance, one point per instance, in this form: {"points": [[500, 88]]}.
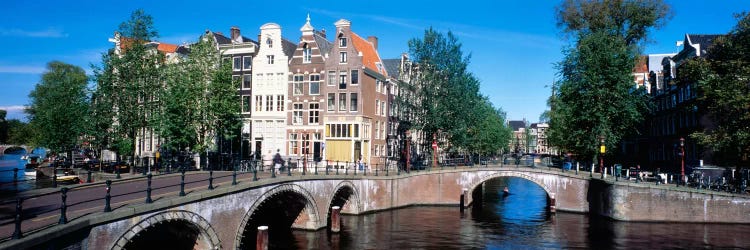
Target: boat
{"points": [[506, 191]]}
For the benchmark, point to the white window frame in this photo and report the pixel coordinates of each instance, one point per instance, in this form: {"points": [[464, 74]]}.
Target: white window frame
{"points": [[298, 81], [245, 60], [270, 59], [314, 81], [236, 63], [342, 57]]}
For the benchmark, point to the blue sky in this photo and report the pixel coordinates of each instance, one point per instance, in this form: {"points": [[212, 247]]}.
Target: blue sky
{"points": [[513, 44]]}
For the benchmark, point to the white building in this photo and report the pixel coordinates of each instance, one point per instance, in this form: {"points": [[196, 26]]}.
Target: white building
{"points": [[269, 83]]}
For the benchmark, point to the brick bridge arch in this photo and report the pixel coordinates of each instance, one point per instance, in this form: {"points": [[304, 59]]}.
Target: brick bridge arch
{"points": [[207, 233], [499, 174], [354, 203], [310, 207]]}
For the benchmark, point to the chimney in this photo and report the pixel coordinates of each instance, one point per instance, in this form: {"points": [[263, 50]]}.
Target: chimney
{"points": [[322, 33], [235, 33], [374, 41]]}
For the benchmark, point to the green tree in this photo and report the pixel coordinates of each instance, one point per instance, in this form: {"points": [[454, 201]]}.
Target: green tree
{"points": [[595, 95], [59, 106], [447, 92], [489, 134], [128, 84], [722, 80], [22, 133]]}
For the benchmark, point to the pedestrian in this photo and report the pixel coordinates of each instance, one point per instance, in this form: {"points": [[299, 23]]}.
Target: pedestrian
{"points": [[278, 162]]}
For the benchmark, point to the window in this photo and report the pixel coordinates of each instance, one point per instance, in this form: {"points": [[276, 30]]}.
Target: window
{"points": [[306, 54], [258, 103], [280, 103], [342, 80], [247, 81], [293, 144], [314, 113], [237, 63], [269, 103], [377, 107], [342, 41], [382, 108], [315, 84], [298, 84], [331, 101], [245, 103], [342, 101], [356, 130], [235, 80], [355, 76], [269, 42], [353, 104], [377, 86], [377, 130], [297, 114], [342, 57], [331, 78], [270, 59], [247, 62]]}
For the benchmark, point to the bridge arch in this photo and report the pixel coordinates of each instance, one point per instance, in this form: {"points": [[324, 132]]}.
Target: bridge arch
{"points": [[309, 208], [206, 237], [500, 174], [345, 193]]}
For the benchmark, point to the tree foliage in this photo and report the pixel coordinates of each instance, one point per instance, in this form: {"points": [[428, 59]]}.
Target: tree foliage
{"points": [[59, 106], [489, 134], [595, 95], [723, 81], [448, 96]]}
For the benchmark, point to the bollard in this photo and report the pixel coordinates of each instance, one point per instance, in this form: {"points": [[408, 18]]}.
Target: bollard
{"points": [[234, 176], [591, 172], [337, 167], [108, 197], [327, 167], [88, 178], [182, 182], [273, 171], [316, 168], [365, 170], [289, 167], [63, 206], [148, 188], [355, 168], [552, 202], [261, 240], [211, 179], [54, 180], [346, 168], [17, 234], [117, 170], [461, 202], [376, 170], [578, 165], [255, 174], [335, 219]]}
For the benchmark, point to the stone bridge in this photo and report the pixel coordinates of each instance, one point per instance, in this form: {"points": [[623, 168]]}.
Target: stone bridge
{"points": [[227, 217]]}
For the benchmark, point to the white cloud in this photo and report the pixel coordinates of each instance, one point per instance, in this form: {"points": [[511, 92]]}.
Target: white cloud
{"points": [[46, 33], [13, 108], [22, 69]]}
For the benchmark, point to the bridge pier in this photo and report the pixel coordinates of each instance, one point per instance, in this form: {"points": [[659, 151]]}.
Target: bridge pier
{"points": [[552, 202], [261, 240]]}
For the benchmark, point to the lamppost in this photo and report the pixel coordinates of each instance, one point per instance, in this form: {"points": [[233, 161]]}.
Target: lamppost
{"points": [[682, 157], [602, 150], [408, 139]]}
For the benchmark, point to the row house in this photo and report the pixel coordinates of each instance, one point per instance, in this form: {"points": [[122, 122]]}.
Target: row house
{"points": [[518, 141], [307, 74], [269, 92], [147, 140], [240, 52], [539, 134], [356, 99], [676, 111]]}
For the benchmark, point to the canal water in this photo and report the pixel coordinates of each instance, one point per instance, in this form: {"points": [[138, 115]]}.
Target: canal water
{"points": [[516, 221]]}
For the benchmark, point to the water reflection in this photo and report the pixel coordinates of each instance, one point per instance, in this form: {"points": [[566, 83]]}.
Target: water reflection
{"points": [[518, 221]]}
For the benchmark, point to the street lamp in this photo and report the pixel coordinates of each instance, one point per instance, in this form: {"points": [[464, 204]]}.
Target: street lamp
{"points": [[602, 150], [682, 157]]}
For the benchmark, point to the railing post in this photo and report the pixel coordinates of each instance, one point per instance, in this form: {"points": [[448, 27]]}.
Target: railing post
{"points": [[327, 167], [17, 234], [148, 188], [337, 167], [54, 179], [88, 176], [255, 174], [211, 179], [356, 166], [365, 170], [15, 176], [289, 167], [234, 176], [64, 206], [108, 197], [273, 170], [182, 182]]}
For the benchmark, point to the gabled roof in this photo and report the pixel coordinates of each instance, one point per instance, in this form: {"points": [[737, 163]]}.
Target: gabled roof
{"points": [[323, 44], [126, 42], [517, 125], [370, 57], [392, 66], [221, 39]]}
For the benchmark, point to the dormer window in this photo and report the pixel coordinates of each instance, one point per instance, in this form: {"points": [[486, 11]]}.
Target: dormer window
{"points": [[306, 54], [269, 42], [342, 41]]}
